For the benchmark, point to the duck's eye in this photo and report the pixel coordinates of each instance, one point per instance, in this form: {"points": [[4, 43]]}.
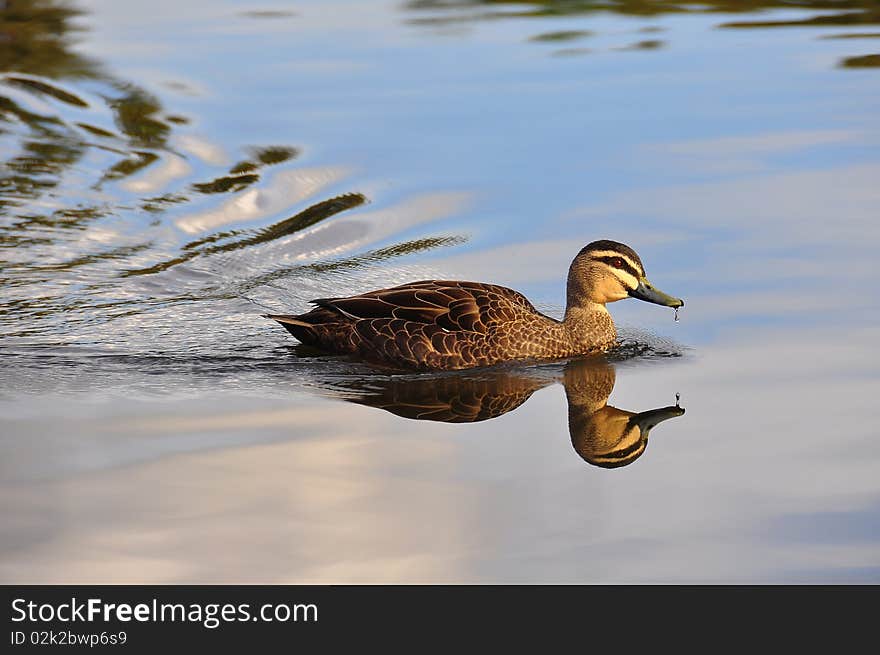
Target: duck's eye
{"points": [[617, 262]]}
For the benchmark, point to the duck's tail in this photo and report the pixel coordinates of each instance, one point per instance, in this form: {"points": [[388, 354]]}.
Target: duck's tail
{"points": [[287, 319], [299, 328]]}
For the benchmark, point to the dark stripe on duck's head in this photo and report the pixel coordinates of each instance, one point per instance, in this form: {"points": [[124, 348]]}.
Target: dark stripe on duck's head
{"points": [[621, 263], [605, 250]]}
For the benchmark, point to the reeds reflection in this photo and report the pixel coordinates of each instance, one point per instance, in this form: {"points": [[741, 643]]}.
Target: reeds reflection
{"points": [[601, 434]]}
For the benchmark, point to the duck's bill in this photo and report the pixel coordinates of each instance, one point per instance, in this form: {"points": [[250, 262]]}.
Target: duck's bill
{"points": [[654, 417], [647, 292]]}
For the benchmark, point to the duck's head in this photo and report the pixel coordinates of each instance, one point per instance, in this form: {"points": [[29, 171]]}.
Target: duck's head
{"points": [[605, 271]]}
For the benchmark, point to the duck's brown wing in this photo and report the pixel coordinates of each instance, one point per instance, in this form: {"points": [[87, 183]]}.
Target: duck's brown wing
{"points": [[425, 324], [452, 305]]}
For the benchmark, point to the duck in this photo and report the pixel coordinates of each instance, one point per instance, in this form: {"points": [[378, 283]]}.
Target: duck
{"points": [[453, 324]]}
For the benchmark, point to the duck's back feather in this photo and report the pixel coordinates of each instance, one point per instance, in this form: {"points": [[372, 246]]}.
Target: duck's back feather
{"points": [[424, 324], [454, 305]]}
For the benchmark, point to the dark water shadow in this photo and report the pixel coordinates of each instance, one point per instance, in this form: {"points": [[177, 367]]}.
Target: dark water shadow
{"points": [[601, 434], [829, 12], [300, 221], [865, 61], [749, 14]]}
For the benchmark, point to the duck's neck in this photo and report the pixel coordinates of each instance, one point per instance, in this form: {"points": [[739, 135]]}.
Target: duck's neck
{"points": [[588, 386], [589, 326]]}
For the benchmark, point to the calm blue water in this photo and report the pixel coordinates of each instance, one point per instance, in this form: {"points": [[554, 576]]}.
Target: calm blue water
{"points": [[170, 171]]}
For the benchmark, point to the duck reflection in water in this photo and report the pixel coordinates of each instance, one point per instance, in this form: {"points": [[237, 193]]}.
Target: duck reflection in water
{"points": [[602, 435]]}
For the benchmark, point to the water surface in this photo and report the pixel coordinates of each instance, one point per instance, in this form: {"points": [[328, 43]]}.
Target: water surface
{"points": [[170, 171]]}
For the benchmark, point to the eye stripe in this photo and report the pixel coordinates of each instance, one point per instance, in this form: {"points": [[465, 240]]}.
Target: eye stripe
{"points": [[633, 259], [627, 265], [635, 262]]}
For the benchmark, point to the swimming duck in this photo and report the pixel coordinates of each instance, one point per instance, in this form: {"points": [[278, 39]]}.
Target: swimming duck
{"points": [[452, 324]]}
